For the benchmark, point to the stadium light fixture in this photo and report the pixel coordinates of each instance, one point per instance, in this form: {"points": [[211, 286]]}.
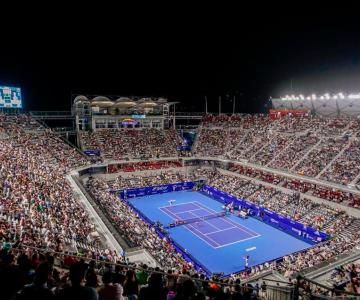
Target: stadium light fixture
{"points": [[354, 96], [313, 96]]}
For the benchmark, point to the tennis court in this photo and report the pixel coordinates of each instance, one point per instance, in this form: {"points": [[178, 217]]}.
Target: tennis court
{"points": [[220, 243]]}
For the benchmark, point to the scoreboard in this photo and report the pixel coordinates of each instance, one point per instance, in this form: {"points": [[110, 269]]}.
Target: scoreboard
{"points": [[10, 97]]}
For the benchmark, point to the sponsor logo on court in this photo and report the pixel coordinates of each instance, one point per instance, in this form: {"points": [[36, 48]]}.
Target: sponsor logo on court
{"points": [[250, 249]]}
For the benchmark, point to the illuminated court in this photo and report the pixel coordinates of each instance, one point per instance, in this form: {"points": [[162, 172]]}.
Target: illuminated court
{"points": [[219, 243]]}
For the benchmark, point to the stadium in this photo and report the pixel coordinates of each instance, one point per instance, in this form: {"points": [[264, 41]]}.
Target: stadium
{"points": [[261, 203]]}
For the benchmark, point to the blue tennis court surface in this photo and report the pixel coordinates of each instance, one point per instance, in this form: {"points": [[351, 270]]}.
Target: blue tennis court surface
{"points": [[219, 244], [216, 232]]}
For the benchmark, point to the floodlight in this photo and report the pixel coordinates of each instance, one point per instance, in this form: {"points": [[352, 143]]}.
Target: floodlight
{"points": [[354, 96]]}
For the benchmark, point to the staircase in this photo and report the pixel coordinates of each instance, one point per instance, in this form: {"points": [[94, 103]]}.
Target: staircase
{"points": [[240, 142], [283, 150], [306, 154], [254, 154], [353, 227], [334, 159], [195, 143], [356, 179]]}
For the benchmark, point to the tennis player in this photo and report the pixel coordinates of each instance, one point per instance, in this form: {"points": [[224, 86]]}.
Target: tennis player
{"points": [[171, 202], [247, 257]]}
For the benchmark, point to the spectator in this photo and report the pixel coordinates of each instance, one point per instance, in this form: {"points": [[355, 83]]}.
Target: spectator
{"points": [[77, 291], [38, 289], [110, 291], [155, 289], [131, 287]]}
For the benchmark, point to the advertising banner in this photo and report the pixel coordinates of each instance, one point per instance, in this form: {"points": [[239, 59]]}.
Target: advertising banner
{"points": [[152, 190]]}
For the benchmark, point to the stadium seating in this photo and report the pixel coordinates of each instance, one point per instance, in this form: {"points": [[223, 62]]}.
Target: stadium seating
{"points": [[34, 191], [117, 144], [39, 211], [144, 166], [326, 148]]}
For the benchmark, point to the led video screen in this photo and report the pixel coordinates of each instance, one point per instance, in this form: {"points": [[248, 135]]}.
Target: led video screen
{"points": [[10, 97]]}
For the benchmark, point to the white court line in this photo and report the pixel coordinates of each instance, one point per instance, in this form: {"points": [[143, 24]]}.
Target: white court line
{"points": [[205, 222], [219, 230], [162, 208], [204, 207], [220, 245], [200, 236], [240, 241], [194, 233], [185, 211], [178, 204], [247, 230], [244, 229]]}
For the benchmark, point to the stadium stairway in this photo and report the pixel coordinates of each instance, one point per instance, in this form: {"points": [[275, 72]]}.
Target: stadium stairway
{"points": [[228, 153], [252, 157], [353, 227], [196, 139], [306, 154], [334, 159], [356, 180], [281, 151]]}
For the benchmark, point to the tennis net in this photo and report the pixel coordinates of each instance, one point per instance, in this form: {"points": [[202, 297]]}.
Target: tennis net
{"points": [[197, 219]]}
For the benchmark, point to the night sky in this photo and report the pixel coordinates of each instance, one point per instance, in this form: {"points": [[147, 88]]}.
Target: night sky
{"points": [[252, 60]]}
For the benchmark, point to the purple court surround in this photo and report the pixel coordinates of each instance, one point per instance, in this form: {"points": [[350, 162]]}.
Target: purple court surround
{"points": [[216, 232]]}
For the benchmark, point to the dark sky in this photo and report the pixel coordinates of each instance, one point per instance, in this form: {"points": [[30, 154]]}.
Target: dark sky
{"points": [[250, 59]]}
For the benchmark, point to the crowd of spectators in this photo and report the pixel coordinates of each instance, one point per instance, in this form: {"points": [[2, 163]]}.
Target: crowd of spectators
{"points": [[296, 150], [211, 142], [302, 186], [135, 181], [318, 158], [306, 145], [271, 149], [29, 274], [119, 144], [144, 166], [346, 167], [37, 205], [346, 277], [253, 141]]}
